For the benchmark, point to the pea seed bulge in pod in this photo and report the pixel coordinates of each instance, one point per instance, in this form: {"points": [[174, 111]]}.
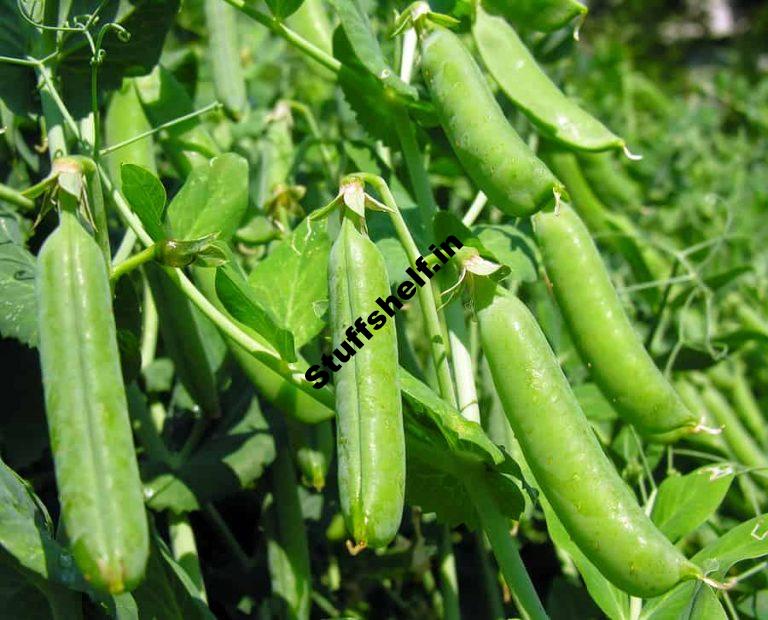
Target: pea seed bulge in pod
{"points": [[353, 309]]}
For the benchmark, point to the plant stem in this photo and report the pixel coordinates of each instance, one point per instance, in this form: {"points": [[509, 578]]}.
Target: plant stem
{"points": [[131, 263], [496, 527], [184, 549], [426, 295], [294, 38], [461, 359], [449, 585], [149, 328], [113, 147], [475, 209], [10, 195]]}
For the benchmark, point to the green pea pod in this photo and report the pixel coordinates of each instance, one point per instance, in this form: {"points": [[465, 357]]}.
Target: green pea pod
{"points": [[597, 508], [125, 119], [614, 230], [224, 54], [609, 181], [530, 89], [183, 341], [488, 147], [312, 447], [311, 21], [741, 443], [287, 548], [187, 144], [602, 332], [96, 471], [732, 380], [370, 438], [541, 15], [309, 406]]}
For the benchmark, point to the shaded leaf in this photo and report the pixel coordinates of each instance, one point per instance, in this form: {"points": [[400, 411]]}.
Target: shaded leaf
{"points": [[146, 195]]}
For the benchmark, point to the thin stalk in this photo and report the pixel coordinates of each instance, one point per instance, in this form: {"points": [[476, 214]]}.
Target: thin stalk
{"points": [[475, 209], [449, 586], [490, 578], [149, 328], [125, 248], [184, 548], [294, 38], [496, 527], [461, 359], [314, 129], [113, 147], [131, 263], [426, 295], [16, 198], [53, 113]]}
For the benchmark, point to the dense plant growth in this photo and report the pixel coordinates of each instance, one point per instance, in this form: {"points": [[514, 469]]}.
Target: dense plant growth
{"points": [[355, 309]]}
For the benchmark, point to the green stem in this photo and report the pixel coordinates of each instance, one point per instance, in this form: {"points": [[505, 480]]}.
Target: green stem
{"points": [[184, 549], [475, 209], [131, 263], [426, 294], [294, 38], [496, 527], [461, 359], [490, 578], [417, 172], [113, 147], [10, 195], [449, 583], [149, 328]]}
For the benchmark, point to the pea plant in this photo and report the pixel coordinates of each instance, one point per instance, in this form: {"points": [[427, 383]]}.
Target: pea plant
{"points": [[355, 309]]}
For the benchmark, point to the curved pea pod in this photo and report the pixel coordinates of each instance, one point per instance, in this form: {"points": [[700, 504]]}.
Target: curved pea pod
{"points": [[311, 21], [530, 89], [602, 332], [187, 144], [183, 340], [609, 181], [312, 447], [287, 548], [488, 147], [541, 15], [102, 505], [124, 120], [596, 507], [370, 441], [309, 406], [224, 55]]}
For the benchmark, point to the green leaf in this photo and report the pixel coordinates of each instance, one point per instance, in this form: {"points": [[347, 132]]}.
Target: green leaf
{"points": [[167, 591], [445, 452], [18, 305], [213, 199], [26, 533], [683, 503], [23, 595], [228, 462], [283, 8], [746, 541], [17, 83], [293, 279], [147, 21], [241, 301], [363, 42], [692, 600], [146, 195], [511, 248]]}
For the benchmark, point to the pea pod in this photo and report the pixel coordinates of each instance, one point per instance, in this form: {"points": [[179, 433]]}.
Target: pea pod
{"points": [[183, 340], [602, 332], [312, 447], [187, 144], [370, 437], [224, 53], [609, 181], [614, 230], [488, 147], [530, 89], [96, 472], [125, 119], [593, 503], [287, 548], [542, 15]]}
